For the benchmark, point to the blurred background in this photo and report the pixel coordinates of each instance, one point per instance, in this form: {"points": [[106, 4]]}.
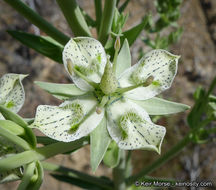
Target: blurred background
{"points": [[197, 47]]}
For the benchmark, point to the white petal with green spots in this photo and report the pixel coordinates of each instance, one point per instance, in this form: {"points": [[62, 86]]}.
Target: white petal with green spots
{"points": [[88, 57], [160, 64], [12, 94], [131, 127], [70, 121]]}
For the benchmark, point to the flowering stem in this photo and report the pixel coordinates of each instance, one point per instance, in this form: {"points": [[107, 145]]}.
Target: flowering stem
{"points": [[159, 162], [41, 153], [119, 173]]}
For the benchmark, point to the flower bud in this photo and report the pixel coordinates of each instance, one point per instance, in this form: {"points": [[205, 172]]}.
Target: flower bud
{"points": [[117, 44], [108, 82]]}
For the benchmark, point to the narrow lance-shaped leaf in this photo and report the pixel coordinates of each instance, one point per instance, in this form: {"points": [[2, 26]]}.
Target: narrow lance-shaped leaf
{"points": [[38, 21], [123, 6], [158, 106], [12, 127], [100, 141], [62, 91], [9, 115], [44, 45], [132, 34], [74, 17], [77, 182], [104, 183], [13, 138]]}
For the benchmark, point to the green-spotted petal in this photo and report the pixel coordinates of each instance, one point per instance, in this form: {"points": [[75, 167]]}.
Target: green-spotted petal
{"points": [[130, 126], [70, 121], [160, 64], [12, 94], [88, 57]]}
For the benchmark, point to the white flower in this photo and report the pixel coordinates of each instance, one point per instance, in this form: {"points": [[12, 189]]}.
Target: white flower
{"points": [[12, 94], [102, 93]]}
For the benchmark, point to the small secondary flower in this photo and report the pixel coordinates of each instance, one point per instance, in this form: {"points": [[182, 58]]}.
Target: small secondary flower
{"points": [[12, 94]]}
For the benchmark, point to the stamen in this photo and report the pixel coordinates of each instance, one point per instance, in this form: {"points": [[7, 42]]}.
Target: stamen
{"points": [[71, 69], [147, 82], [103, 102]]}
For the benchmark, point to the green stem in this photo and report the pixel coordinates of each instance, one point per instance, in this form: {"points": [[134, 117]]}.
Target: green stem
{"points": [[105, 184], [74, 17], [162, 160], [38, 21], [98, 12], [41, 153], [106, 22], [119, 173]]}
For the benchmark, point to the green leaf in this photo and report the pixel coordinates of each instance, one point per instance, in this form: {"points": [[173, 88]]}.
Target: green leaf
{"points": [[123, 6], [123, 59], [158, 106], [89, 20], [74, 17], [132, 34], [9, 115], [38, 21], [12, 127], [26, 179], [44, 45], [12, 137], [45, 140], [61, 91], [74, 181], [112, 156], [101, 182], [100, 141]]}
